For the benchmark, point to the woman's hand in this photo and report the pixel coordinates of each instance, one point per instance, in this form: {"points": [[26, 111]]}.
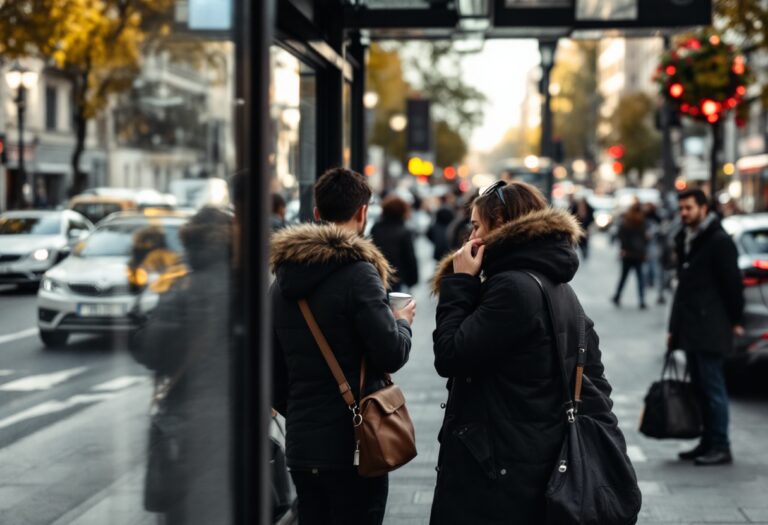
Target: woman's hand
{"points": [[465, 262]]}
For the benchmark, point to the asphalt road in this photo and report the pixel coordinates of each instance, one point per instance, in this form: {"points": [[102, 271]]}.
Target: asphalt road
{"points": [[73, 421]]}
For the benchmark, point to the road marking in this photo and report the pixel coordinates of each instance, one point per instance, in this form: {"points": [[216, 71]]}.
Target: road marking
{"points": [[119, 383], [29, 332], [51, 407], [636, 454], [42, 381]]}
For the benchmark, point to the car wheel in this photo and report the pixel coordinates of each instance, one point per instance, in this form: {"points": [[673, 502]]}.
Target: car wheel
{"points": [[53, 338]]}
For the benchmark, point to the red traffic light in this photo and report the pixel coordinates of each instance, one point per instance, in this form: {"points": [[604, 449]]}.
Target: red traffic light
{"points": [[449, 173], [616, 151]]}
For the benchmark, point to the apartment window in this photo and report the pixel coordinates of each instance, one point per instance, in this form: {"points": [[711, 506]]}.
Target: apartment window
{"points": [[51, 107]]}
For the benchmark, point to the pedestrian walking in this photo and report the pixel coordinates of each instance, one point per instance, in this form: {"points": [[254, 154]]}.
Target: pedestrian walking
{"points": [[343, 277], [706, 314], [395, 241], [504, 425], [277, 219], [585, 213], [185, 342], [438, 231], [633, 239]]}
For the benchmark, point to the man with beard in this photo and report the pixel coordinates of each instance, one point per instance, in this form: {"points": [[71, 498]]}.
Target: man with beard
{"points": [[706, 314], [344, 278]]}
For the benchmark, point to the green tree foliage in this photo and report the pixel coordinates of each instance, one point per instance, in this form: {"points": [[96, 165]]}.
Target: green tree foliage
{"points": [[746, 20], [97, 43], [633, 128]]}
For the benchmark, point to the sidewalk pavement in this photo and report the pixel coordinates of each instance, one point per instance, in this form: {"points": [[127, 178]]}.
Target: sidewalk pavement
{"points": [[632, 342]]}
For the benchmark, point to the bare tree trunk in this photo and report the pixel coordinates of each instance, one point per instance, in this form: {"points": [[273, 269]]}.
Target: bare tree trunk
{"points": [[81, 126]]}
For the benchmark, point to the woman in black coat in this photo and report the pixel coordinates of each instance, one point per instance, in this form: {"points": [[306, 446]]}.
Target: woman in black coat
{"points": [[395, 241], [505, 423]]}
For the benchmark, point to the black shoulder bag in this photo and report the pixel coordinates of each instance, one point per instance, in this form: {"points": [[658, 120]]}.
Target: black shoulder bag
{"points": [[593, 481]]}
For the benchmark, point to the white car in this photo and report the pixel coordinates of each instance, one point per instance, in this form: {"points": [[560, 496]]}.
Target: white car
{"points": [[31, 242], [90, 291]]}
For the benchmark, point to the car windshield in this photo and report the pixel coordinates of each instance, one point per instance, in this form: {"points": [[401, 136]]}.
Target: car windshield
{"points": [[755, 242], [95, 211], [50, 225], [116, 240]]}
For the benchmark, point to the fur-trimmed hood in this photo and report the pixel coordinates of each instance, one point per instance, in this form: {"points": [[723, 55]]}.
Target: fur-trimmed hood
{"points": [[303, 256], [542, 241]]}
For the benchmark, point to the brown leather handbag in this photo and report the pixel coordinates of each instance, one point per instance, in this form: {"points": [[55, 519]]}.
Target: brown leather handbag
{"points": [[384, 435]]}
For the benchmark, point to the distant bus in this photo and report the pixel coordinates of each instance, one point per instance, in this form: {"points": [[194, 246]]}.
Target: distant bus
{"points": [[516, 169]]}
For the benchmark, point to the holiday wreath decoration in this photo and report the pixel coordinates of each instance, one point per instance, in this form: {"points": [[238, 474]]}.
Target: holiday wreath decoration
{"points": [[704, 78]]}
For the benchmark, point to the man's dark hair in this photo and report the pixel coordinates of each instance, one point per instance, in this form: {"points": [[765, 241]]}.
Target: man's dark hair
{"points": [[699, 196], [278, 202], [339, 193]]}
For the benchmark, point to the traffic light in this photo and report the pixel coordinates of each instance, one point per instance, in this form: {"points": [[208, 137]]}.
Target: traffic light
{"points": [[3, 150]]}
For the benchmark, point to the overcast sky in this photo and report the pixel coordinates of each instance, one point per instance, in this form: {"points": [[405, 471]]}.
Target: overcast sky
{"points": [[499, 71]]}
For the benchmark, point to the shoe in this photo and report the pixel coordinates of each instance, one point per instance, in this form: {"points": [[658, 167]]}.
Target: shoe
{"points": [[699, 450], [720, 456], [661, 300], [616, 303], [643, 307]]}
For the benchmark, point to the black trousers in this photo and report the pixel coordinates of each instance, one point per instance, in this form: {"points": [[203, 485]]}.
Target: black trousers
{"points": [[340, 497], [628, 265]]}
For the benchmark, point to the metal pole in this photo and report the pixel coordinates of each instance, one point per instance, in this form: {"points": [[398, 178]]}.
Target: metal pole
{"points": [[546, 129], [668, 159], [252, 366], [358, 139], [713, 164], [21, 100]]}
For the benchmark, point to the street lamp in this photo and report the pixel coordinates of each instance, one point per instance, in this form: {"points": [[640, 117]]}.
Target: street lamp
{"points": [[21, 79], [547, 50]]}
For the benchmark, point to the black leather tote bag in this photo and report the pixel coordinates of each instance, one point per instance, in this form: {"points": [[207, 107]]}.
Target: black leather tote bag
{"points": [[672, 409]]}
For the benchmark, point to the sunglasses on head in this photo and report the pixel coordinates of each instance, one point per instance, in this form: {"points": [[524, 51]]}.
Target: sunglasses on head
{"points": [[497, 188]]}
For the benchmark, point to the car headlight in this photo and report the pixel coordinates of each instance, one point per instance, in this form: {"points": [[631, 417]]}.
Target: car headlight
{"points": [[41, 255], [51, 285]]}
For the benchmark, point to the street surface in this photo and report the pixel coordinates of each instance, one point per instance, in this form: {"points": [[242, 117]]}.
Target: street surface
{"points": [[73, 421]]}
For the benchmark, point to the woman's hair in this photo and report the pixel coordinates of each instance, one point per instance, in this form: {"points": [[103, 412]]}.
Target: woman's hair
{"points": [[634, 216], [393, 207], [520, 199]]}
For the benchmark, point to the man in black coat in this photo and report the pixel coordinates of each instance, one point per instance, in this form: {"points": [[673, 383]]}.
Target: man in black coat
{"points": [[343, 277], [706, 313]]}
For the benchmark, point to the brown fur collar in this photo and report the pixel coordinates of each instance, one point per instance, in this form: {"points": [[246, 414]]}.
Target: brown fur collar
{"points": [[535, 225], [323, 243]]}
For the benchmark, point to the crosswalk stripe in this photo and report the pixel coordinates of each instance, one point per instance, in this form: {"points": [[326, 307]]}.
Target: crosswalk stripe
{"points": [[51, 407], [119, 383], [29, 332], [42, 381]]}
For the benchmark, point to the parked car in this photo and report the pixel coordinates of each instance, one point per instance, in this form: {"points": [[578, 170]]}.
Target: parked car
{"points": [[97, 207], [750, 233], [31, 242], [98, 289]]}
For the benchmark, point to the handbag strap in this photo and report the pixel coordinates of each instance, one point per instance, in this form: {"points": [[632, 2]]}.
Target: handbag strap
{"points": [[572, 403], [333, 364]]}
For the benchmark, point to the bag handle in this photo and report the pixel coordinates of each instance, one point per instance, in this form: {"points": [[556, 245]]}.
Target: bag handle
{"points": [[572, 403], [333, 364]]}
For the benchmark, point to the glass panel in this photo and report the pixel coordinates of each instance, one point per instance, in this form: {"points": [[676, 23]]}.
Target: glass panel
{"points": [[115, 380], [293, 111]]}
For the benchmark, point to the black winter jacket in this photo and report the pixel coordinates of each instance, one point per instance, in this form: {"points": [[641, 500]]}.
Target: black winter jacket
{"points": [[504, 422], [709, 299], [343, 277], [396, 244]]}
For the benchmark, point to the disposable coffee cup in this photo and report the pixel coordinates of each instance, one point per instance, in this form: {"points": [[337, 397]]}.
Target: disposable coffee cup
{"points": [[398, 300]]}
